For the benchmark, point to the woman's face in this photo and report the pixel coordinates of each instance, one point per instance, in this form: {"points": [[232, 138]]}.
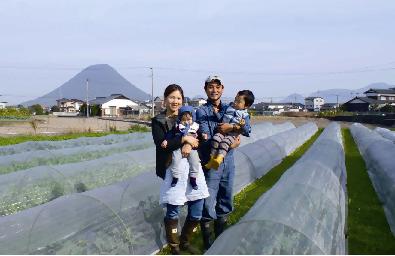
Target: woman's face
{"points": [[174, 101]]}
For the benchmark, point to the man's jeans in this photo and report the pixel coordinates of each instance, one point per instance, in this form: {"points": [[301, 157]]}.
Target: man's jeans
{"points": [[220, 186], [194, 210]]}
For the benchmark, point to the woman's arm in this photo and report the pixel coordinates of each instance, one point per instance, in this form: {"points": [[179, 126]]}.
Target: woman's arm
{"points": [[159, 135]]}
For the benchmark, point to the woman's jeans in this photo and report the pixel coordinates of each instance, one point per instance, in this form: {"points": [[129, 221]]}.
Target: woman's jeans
{"points": [[195, 209]]}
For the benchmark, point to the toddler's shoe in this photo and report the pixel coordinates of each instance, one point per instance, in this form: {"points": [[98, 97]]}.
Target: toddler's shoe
{"points": [[192, 181], [210, 163], [217, 161], [174, 182]]}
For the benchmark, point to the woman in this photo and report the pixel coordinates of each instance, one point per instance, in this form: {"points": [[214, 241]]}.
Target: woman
{"points": [[175, 197]]}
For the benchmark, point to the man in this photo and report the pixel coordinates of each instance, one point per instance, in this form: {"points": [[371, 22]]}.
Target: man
{"points": [[219, 182]]}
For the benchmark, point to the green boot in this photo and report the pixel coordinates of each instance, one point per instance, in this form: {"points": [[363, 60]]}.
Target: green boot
{"points": [[189, 228], [207, 233], [220, 225], [171, 227]]}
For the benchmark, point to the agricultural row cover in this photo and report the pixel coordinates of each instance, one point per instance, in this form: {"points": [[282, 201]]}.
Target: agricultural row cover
{"points": [[27, 159], [304, 213], [379, 153], [122, 218], [34, 186]]}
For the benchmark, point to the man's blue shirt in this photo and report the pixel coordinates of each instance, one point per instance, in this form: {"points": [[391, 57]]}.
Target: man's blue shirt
{"points": [[208, 121]]}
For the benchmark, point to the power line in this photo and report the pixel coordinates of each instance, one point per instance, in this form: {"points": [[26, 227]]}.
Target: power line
{"points": [[350, 71]]}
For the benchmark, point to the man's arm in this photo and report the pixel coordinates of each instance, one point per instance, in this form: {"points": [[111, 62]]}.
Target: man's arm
{"points": [[246, 128], [201, 119]]}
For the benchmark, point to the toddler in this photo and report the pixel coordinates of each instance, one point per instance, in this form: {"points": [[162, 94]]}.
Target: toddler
{"points": [[186, 125], [235, 114]]}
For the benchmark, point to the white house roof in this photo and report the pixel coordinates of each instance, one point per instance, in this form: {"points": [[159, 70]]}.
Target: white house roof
{"points": [[102, 100]]}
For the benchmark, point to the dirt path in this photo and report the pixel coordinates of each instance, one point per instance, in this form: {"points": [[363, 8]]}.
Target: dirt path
{"points": [[59, 125]]}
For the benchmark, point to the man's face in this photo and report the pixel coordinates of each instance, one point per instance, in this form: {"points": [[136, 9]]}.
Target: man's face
{"points": [[214, 91]]}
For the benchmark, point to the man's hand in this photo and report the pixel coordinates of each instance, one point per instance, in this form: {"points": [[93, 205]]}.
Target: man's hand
{"points": [[224, 128], [186, 150], [204, 136], [236, 143]]}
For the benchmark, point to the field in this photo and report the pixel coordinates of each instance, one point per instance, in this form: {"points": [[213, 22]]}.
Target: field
{"points": [[367, 230]]}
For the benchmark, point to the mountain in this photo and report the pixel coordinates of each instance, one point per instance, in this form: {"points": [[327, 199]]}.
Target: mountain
{"points": [[293, 98], [103, 80], [330, 95]]}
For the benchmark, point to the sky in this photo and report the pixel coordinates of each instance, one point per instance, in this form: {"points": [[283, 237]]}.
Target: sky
{"points": [[273, 48]]}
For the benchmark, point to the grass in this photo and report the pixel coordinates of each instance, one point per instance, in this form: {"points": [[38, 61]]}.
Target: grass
{"points": [[11, 140], [368, 230], [244, 200], [393, 129]]}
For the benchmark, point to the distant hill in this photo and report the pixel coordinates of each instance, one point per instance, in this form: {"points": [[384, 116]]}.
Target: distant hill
{"points": [[103, 81], [293, 98], [343, 94]]}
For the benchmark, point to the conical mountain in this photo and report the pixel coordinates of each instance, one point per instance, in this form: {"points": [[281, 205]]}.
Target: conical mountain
{"points": [[103, 81]]}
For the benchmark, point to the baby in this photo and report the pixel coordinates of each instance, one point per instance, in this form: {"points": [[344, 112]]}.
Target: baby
{"points": [[186, 125], [235, 114]]}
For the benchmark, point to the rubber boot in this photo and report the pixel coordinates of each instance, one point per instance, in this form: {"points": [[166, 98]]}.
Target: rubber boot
{"points": [[207, 233], [189, 228], [171, 227], [220, 226], [217, 161], [210, 163]]}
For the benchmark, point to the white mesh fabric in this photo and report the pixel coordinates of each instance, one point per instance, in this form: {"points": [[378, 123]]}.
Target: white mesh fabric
{"points": [[388, 134], [304, 213], [378, 154], [121, 218]]}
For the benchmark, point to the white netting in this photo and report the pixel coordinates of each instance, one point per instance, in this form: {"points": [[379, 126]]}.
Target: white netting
{"points": [[304, 213], [265, 129], [379, 154], [256, 159], [72, 143], [38, 185], [121, 218], [34, 186], [27, 159], [388, 134]]}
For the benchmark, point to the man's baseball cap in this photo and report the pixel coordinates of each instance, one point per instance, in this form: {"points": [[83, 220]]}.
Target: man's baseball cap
{"points": [[215, 78]]}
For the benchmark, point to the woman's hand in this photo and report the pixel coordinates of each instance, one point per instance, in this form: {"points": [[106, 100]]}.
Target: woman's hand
{"points": [[236, 143], [191, 141], [186, 150]]}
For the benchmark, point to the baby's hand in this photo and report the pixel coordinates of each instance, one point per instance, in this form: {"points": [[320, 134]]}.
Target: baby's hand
{"points": [[242, 122], [164, 144], [205, 136]]}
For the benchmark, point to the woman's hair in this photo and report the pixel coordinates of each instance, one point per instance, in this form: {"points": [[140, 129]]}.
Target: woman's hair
{"points": [[172, 88]]}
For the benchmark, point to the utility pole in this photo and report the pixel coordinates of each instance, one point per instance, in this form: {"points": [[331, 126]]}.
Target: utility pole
{"points": [[87, 98], [152, 91]]}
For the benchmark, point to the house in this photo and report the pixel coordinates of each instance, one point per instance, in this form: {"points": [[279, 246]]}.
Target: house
{"points": [[113, 105], [314, 103], [375, 98], [136, 111], [329, 106], [197, 102], [69, 105], [365, 104], [158, 104], [277, 108], [3, 104], [381, 94]]}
